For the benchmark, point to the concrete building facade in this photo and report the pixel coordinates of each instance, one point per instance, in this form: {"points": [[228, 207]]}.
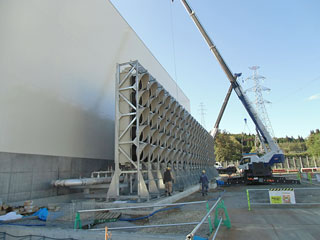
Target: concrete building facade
{"points": [[57, 96]]}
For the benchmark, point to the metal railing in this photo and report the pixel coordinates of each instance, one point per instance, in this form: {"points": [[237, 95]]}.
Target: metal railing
{"points": [[140, 206], [206, 219], [309, 177], [193, 232], [137, 207]]}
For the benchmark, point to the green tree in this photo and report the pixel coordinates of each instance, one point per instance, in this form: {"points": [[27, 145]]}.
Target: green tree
{"points": [[313, 143], [293, 147], [227, 148], [246, 141]]}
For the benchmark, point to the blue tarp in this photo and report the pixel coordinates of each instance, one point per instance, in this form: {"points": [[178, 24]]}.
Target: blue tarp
{"points": [[42, 214], [220, 182], [199, 238]]}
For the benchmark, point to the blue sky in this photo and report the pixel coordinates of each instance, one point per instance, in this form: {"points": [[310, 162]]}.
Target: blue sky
{"points": [[282, 37]]}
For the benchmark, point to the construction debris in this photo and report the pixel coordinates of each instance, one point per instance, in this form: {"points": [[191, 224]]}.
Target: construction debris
{"points": [[27, 209], [106, 216], [10, 216]]}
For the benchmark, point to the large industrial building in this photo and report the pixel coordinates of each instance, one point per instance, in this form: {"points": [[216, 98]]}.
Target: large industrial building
{"points": [[58, 74]]}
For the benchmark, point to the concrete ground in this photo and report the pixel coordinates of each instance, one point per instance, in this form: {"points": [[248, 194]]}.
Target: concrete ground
{"points": [[272, 222], [262, 222]]}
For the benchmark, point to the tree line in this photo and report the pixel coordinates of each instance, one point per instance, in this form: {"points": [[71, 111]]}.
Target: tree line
{"points": [[230, 147]]}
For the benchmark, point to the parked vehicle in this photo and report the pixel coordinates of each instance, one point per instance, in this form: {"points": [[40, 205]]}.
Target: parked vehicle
{"points": [[218, 165]]}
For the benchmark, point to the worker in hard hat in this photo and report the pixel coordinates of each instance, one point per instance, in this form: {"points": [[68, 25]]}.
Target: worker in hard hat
{"points": [[168, 180], [204, 183]]}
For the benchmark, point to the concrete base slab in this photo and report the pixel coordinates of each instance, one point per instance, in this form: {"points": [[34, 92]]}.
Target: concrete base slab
{"points": [[56, 200], [267, 222], [177, 196]]}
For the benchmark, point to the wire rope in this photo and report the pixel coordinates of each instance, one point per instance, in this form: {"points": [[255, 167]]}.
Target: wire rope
{"points": [[174, 50]]}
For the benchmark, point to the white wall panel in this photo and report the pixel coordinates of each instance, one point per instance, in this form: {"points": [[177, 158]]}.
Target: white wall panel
{"points": [[57, 72]]}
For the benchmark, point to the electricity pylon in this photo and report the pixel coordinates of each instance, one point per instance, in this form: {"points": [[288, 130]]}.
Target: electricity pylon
{"points": [[259, 101]]}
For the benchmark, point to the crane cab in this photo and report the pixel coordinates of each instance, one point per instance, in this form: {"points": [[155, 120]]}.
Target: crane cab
{"points": [[248, 159], [254, 169]]}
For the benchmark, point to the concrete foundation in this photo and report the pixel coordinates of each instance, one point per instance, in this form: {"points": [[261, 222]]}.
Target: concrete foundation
{"points": [[29, 176]]}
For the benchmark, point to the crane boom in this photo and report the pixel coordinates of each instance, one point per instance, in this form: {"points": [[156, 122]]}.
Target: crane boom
{"points": [[210, 43], [223, 107]]}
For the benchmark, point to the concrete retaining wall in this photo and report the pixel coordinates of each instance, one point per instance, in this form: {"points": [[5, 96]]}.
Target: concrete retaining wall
{"points": [[28, 176]]}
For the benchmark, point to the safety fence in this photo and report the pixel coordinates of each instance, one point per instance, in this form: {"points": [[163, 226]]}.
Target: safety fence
{"points": [[310, 177], [7, 236], [290, 164], [217, 221], [283, 196], [221, 217]]}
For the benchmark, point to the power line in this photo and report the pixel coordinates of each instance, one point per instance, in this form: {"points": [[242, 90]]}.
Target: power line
{"points": [[174, 51], [284, 98]]}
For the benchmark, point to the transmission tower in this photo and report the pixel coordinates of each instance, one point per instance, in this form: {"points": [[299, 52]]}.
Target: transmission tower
{"points": [[259, 101], [202, 111]]}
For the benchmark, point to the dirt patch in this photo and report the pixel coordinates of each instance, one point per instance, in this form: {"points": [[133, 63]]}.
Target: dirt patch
{"points": [[183, 214]]}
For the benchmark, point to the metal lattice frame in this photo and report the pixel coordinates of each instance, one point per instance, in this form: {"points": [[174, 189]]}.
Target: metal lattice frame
{"points": [[153, 131]]}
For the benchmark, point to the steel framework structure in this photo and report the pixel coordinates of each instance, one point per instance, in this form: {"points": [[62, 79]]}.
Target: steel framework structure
{"points": [[153, 131], [259, 101]]}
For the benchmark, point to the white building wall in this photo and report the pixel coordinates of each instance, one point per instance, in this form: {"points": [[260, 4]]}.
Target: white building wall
{"points": [[57, 72]]}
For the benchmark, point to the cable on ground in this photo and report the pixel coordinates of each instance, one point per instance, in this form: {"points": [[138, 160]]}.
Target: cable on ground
{"points": [[39, 236]]}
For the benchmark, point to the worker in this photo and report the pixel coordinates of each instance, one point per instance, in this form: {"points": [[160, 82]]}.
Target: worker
{"points": [[168, 180], [204, 183]]}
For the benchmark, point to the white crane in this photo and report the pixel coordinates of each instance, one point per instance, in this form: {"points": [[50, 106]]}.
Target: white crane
{"points": [[255, 168]]}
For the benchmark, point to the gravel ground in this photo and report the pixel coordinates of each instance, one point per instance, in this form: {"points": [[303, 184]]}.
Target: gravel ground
{"points": [[235, 200], [188, 213]]}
